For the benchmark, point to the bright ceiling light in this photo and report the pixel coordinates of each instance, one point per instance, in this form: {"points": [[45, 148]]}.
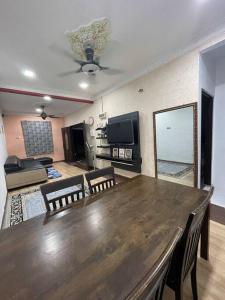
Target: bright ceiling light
{"points": [[83, 85], [47, 98], [29, 73], [38, 110]]}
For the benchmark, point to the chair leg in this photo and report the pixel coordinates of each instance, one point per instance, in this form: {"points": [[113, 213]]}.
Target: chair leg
{"points": [[194, 281], [179, 293]]}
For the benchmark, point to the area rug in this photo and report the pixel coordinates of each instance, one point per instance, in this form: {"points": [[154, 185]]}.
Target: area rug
{"points": [[53, 173], [29, 203], [173, 169]]}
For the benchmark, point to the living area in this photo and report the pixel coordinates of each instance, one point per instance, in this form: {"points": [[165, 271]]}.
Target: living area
{"points": [[111, 150]]}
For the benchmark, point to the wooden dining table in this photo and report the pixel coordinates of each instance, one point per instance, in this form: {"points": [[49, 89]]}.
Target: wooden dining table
{"points": [[100, 248]]}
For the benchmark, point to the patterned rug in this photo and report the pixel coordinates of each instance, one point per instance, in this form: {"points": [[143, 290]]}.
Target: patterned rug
{"points": [[173, 169], [29, 203]]}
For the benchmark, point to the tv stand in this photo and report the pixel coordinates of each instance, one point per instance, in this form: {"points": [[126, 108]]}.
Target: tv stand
{"points": [[134, 164]]}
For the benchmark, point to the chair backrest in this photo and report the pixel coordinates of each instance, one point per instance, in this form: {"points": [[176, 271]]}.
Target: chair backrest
{"points": [[152, 285], [190, 240], [101, 185], [62, 198]]}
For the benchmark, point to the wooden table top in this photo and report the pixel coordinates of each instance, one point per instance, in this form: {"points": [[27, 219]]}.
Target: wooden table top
{"points": [[101, 248]]}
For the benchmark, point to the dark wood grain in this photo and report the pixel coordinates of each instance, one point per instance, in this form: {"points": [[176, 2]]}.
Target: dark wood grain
{"points": [[184, 259], [101, 248], [63, 200], [108, 179]]}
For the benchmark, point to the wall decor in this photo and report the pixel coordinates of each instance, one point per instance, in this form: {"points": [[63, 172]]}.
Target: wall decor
{"points": [[128, 154], [115, 152], [91, 121], [121, 152], [37, 137], [96, 33]]}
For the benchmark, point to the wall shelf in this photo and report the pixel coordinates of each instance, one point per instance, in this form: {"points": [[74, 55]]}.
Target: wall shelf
{"points": [[133, 164], [115, 159], [103, 146], [101, 128]]}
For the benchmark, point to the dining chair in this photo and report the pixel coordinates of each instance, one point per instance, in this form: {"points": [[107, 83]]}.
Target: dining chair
{"points": [[151, 287], [184, 261], [100, 183], [60, 194]]}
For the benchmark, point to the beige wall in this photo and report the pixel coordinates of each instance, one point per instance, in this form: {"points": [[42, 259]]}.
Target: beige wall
{"points": [[173, 84], [15, 141]]}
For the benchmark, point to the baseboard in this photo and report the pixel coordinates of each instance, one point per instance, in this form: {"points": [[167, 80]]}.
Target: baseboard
{"points": [[3, 217], [217, 213], [176, 162]]}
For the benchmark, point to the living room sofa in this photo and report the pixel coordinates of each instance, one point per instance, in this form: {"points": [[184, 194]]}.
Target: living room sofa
{"points": [[22, 172]]}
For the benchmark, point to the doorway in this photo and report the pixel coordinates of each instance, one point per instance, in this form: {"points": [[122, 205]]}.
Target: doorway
{"points": [[176, 157], [206, 138]]}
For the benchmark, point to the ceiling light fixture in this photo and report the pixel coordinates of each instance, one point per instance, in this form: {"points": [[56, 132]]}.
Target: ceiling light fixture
{"points": [[38, 110], [29, 73], [47, 98], [83, 85]]}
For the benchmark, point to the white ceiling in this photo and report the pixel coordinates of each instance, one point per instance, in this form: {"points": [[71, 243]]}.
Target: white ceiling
{"points": [[143, 33], [20, 104]]}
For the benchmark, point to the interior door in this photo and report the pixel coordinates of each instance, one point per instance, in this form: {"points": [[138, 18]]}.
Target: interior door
{"points": [[79, 145], [206, 139], [68, 152]]}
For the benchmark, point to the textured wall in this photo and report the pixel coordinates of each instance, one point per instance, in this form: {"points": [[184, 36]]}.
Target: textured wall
{"points": [[15, 141], [172, 84]]}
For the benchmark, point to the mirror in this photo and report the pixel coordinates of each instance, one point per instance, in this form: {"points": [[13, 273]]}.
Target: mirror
{"points": [[175, 137]]}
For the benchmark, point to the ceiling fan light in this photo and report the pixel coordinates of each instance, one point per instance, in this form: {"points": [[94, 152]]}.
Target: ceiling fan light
{"points": [[29, 73], [83, 85], [39, 110]]}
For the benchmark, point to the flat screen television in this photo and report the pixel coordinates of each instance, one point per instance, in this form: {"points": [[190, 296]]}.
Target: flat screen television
{"points": [[120, 132]]}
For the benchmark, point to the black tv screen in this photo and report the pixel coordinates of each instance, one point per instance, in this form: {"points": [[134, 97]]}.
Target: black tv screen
{"points": [[120, 132]]}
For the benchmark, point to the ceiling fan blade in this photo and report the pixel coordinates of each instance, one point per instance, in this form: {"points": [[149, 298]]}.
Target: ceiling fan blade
{"points": [[111, 71], [61, 51], [103, 68], [70, 73], [80, 62], [53, 117]]}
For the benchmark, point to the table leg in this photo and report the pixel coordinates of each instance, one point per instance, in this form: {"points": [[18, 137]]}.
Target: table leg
{"points": [[204, 251]]}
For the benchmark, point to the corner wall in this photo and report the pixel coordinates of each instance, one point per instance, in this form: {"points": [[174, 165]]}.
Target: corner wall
{"points": [[3, 156], [15, 140], [172, 84], [218, 159]]}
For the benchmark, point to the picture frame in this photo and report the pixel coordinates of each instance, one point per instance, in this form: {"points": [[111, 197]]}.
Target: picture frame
{"points": [[128, 154], [121, 152], [115, 152]]}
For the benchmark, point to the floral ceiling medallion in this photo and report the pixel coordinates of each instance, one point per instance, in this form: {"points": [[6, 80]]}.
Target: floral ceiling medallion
{"points": [[95, 34]]}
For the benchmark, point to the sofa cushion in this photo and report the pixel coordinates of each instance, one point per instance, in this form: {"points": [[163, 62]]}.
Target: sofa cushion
{"points": [[31, 165], [13, 164], [45, 160]]}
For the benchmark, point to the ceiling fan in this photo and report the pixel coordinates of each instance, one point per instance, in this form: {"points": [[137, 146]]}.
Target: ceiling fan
{"points": [[88, 42], [44, 115], [90, 66]]}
